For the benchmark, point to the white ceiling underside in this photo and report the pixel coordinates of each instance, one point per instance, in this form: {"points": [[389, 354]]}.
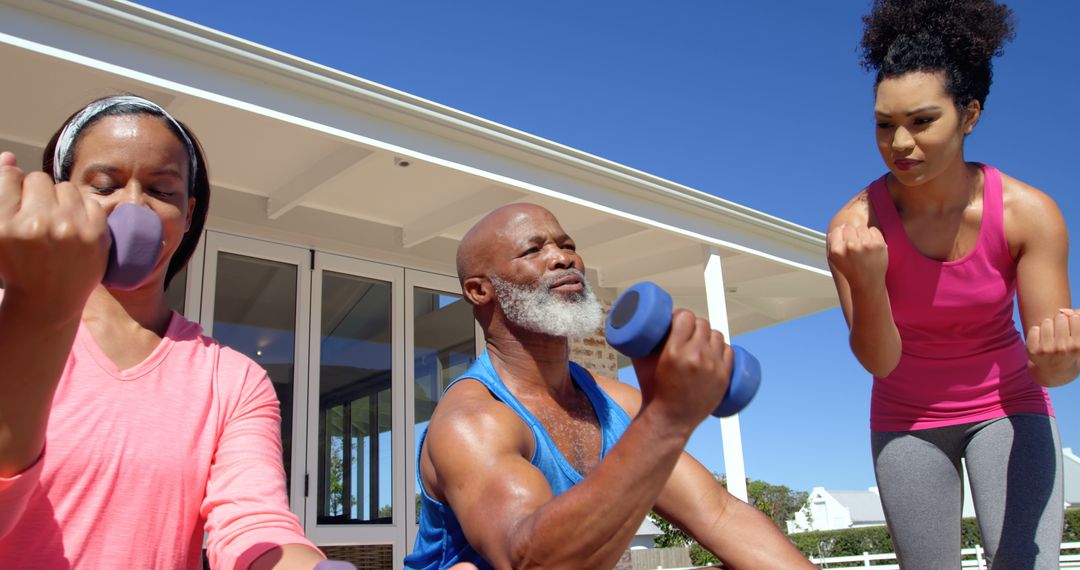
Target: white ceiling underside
{"points": [[308, 162]]}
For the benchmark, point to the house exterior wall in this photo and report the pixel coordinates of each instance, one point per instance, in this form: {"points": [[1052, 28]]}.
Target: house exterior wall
{"points": [[823, 512], [1071, 472], [593, 352]]}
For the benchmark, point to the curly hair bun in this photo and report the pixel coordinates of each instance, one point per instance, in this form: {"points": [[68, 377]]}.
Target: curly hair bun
{"points": [[970, 32], [959, 37]]}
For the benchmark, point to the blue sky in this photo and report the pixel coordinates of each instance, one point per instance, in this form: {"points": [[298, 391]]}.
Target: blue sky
{"points": [[761, 103]]}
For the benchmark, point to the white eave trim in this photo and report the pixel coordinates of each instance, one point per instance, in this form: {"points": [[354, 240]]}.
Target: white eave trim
{"points": [[169, 28]]}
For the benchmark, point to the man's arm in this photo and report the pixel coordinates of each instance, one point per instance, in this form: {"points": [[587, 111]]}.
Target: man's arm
{"points": [[697, 503], [477, 456]]}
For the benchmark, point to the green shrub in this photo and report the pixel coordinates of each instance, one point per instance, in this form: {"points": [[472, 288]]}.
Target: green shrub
{"points": [[876, 540], [1072, 526], [969, 533], [843, 542], [701, 557]]}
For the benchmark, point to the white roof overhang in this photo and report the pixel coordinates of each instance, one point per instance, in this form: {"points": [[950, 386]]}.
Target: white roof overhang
{"points": [[309, 155]]}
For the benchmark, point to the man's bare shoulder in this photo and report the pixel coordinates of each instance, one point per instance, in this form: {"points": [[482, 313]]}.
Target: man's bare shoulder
{"points": [[628, 397], [469, 418]]}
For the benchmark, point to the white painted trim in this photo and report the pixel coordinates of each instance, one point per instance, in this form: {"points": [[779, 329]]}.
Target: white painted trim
{"points": [[730, 431]]}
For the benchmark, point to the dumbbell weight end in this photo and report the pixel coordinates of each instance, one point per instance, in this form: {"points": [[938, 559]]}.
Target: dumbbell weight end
{"points": [[136, 241], [638, 324]]}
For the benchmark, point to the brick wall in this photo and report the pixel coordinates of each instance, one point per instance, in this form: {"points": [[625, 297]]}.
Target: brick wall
{"points": [[365, 557], [594, 353]]}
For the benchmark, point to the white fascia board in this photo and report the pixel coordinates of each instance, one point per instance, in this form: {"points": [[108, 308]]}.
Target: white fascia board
{"points": [[647, 199]]}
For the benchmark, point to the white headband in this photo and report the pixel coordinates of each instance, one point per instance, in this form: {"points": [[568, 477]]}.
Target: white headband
{"points": [[65, 142]]}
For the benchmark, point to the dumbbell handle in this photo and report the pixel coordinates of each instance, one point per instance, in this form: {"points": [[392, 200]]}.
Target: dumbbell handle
{"points": [[638, 325]]}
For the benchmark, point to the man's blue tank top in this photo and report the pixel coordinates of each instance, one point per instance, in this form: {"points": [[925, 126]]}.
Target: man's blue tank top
{"points": [[441, 542]]}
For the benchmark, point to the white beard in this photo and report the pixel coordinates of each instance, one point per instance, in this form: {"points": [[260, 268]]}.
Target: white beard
{"points": [[540, 310]]}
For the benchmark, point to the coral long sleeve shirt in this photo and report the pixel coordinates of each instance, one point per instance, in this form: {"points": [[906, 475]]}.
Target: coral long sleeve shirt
{"points": [[138, 462]]}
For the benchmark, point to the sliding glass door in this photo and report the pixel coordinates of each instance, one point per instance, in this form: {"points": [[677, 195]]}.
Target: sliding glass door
{"points": [[442, 340], [359, 353], [356, 404]]}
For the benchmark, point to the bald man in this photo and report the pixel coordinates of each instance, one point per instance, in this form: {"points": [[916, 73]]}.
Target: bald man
{"points": [[531, 461]]}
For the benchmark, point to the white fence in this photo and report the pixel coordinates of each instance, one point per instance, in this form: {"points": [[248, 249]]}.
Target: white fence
{"points": [[970, 558]]}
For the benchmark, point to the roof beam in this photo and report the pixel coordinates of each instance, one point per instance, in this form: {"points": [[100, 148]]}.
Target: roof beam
{"points": [[637, 268], [775, 309], [597, 234], [617, 247], [289, 195], [743, 267], [788, 284], [437, 221]]}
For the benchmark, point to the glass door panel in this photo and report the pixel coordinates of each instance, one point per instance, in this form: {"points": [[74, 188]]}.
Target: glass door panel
{"points": [[444, 345], [355, 412], [442, 342], [255, 313]]}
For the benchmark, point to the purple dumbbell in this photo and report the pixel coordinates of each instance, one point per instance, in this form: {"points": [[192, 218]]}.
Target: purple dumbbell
{"points": [[638, 324], [136, 243], [334, 565]]}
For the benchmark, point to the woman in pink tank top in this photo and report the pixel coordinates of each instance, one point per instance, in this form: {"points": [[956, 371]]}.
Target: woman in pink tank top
{"points": [[927, 261]]}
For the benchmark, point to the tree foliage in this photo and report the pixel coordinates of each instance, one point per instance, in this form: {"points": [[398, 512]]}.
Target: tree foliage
{"points": [[1072, 526], [777, 502]]}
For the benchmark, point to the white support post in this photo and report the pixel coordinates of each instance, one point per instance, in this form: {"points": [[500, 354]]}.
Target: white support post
{"points": [[730, 433]]}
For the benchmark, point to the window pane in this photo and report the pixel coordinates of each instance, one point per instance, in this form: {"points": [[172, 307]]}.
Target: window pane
{"points": [[332, 445], [385, 458], [355, 370], [444, 345], [255, 313]]}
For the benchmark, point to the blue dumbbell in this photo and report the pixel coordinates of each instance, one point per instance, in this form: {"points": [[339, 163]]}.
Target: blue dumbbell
{"points": [[638, 324]]}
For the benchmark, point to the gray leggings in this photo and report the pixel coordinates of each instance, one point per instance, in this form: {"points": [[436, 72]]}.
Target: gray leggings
{"points": [[1014, 466]]}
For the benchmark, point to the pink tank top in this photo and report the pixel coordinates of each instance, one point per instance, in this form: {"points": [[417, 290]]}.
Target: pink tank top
{"points": [[962, 359]]}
